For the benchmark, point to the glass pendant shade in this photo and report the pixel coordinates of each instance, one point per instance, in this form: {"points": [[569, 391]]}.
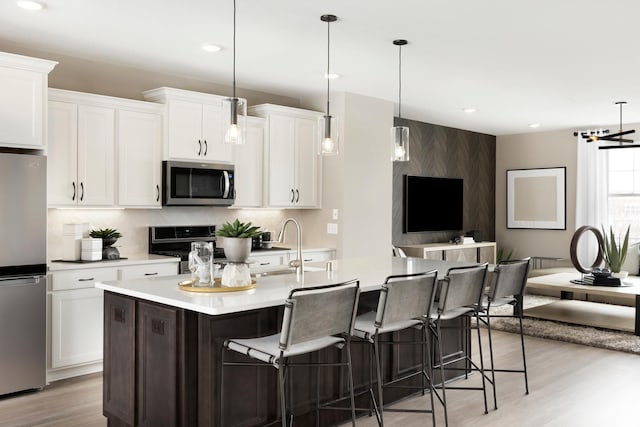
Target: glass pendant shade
{"points": [[400, 144], [329, 141], [234, 120]]}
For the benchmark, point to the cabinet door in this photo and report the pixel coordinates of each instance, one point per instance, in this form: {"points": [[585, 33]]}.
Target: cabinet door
{"points": [[185, 130], [248, 160], [96, 155], [212, 133], [76, 327], [21, 108], [62, 165], [306, 164], [139, 159], [462, 254], [281, 159]]}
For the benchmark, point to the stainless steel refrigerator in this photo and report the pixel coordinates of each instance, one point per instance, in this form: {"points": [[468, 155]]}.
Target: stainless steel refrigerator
{"points": [[23, 264]]}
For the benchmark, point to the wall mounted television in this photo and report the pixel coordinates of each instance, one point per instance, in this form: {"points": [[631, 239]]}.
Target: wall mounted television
{"points": [[432, 204]]}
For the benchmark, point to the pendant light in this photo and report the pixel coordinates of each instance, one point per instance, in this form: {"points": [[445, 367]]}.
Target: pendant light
{"points": [[234, 108], [399, 134], [328, 125]]}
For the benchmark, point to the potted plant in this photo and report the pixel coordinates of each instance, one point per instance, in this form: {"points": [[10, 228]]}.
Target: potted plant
{"points": [[108, 235], [615, 253], [237, 239]]}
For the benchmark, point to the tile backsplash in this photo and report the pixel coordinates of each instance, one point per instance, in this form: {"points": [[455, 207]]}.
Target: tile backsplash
{"points": [[134, 223]]}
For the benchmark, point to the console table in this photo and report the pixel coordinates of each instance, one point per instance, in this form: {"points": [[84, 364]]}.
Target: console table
{"points": [[467, 252], [608, 316]]}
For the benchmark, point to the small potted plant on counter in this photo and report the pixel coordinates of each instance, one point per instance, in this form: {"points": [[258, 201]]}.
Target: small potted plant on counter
{"points": [[109, 236], [237, 239], [615, 253]]}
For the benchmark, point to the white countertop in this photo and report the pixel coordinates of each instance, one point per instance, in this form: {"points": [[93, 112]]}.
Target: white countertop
{"points": [[134, 259], [271, 291]]}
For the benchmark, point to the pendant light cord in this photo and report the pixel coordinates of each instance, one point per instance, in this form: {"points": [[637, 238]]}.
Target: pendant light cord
{"points": [[399, 81], [328, 63], [234, 48]]}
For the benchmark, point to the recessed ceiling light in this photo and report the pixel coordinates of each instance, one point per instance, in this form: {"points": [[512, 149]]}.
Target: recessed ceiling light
{"points": [[332, 76], [534, 125], [29, 5], [469, 110], [209, 47]]}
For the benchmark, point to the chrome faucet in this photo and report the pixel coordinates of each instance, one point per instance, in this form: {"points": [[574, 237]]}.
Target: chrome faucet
{"points": [[297, 263]]}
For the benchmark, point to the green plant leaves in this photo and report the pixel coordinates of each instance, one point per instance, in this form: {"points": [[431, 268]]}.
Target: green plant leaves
{"points": [[238, 229], [615, 253], [105, 233]]}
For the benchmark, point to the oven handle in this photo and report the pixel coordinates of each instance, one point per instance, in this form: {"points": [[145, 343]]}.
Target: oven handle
{"points": [[227, 185]]}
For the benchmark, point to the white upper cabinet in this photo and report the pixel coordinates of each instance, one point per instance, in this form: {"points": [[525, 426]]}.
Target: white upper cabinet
{"points": [[248, 161], [23, 103], [139, 135], [81, 166], [193, 125], [87, 134], [292, 166]]}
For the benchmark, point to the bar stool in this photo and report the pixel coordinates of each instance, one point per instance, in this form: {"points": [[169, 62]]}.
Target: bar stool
{"points": [[460, 294], [405, 302], [507, 287], [314, 318]]}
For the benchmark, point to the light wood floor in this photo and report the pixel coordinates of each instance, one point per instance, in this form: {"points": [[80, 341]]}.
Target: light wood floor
{"points": [[570, 385]]}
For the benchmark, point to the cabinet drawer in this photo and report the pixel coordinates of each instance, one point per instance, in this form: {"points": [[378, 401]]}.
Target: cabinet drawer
{"points": [[78, 279], [148, 270], [266, 261], [315, 256]]}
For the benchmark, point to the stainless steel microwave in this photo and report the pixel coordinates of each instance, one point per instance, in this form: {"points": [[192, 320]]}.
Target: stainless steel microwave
{"points": [[197, 184]]}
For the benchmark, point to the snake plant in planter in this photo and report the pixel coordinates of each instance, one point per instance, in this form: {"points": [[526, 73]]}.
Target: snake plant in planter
{"points": [[237, 239], [615, 253]]}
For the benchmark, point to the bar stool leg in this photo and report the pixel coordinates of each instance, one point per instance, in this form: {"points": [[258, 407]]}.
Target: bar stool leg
{"points": [[378, 356], [283, 393], [427, 371], [524, 360], [493, 373], [442, 378], [351, 386], [484, 385]]}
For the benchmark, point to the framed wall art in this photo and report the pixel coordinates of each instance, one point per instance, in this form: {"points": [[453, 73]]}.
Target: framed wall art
{"points": [[536, 198]]}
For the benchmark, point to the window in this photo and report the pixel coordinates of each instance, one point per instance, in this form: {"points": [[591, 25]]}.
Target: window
{"points": [[623, 191]]}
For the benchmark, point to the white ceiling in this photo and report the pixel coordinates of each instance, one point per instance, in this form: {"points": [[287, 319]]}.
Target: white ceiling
{"points": [[562, 64]]}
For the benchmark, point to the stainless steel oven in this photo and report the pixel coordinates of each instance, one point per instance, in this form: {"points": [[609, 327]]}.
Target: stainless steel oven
{"points": [[197, 184]]}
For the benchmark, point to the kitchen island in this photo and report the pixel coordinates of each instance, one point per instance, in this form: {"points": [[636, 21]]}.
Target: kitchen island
{"points": [[162, 348]]}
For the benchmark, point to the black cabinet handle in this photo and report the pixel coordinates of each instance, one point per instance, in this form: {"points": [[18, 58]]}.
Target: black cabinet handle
{"points": [[150, 274], [74, 191], [157, 193], [206, 147], [297, 196], [200, 147], [265, 263], [293, 195], [86, 280], [82, 191]]}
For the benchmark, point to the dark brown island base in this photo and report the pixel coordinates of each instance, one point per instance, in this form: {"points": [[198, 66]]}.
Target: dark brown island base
{"points": [[162, 350]]}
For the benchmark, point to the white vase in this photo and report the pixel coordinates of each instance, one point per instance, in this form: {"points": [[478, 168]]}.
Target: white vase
{"points": [[237, 249]]}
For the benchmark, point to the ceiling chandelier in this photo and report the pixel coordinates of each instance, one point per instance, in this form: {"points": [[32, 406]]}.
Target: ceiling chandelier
{"points": [[329, 142], [235, 108], [399, 134], [612, 137]]}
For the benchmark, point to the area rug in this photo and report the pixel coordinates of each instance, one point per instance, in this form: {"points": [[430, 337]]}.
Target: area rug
{"points": [[586, 335]]}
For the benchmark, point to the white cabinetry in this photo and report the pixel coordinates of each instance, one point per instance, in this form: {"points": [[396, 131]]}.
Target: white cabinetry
{"points": [[81, 153], [193, 129], [23, 104], [76, 314], [248, 161], [139, 136], [87, 133], [292, 166]]}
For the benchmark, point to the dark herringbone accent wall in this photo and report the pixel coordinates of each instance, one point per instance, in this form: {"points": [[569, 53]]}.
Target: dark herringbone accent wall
{"points": [[449, 153]]}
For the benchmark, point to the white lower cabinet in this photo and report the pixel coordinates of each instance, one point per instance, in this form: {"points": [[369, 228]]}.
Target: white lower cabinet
{"points": [[76, 327], [75, 335]]}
